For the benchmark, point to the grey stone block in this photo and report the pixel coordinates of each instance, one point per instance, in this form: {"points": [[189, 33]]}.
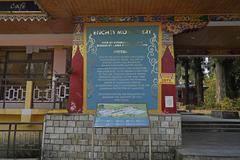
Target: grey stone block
{"points": [[162, 130], [171, 143], [106, 131], [82, 130], [173, 124], [71, 123], [165, 124], [113, 149], [61, 154], [56, 123], [62, 136], [84, 117], [127, 131], [120, 131], [170, 131], [68, 117], [153, 118], [87, 124], [76, 118], [139, 143], [155, 143], [176, 118], [114, 131], [56, 117], [97, 148], [49, 123], [168, 118], [83, 142], [89, 130], [49, 130], [67, 141], [63, 123], [178, 131], [163, 143], [56, 147], [145, 143], [98, 130], [154, 131], [105, 149], [135, 131], [54, 136], [124, 143], [140, 155], [79, 124], [114, 143], [46, 141], [121, 149], [144, 130], [69, 130], [129, 148], [58, 141], [59, 130]]}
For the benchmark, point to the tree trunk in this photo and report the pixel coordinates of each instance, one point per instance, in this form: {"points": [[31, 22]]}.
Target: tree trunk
{"points": [[186, 77], [198, 72], [220, 81]]}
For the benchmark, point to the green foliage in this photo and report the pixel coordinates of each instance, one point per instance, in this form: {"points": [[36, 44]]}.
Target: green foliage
{"points": [[225, 104], [236, 104], [210, 92]]}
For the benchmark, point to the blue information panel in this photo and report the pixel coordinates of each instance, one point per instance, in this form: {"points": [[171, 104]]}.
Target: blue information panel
{"points": [[122, 65], [121, 115]]}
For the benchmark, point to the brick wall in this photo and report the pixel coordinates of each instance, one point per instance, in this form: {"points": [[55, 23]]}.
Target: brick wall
{"points": [[69, 136]]}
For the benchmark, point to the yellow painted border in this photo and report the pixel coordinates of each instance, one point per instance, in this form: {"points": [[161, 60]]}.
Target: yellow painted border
{"points": [[160, 51], [34, 111]]}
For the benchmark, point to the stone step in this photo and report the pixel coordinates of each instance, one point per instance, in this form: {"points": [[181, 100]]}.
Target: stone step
{"points": [[19, 159], [207, 154], [211, 126]]}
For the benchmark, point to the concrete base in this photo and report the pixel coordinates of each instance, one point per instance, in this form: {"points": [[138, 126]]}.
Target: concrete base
{"points": [[72, 136]]}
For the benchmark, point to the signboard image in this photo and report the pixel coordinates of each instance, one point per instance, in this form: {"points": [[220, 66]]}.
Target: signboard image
{"points": [[121, 115], [122, 64]]}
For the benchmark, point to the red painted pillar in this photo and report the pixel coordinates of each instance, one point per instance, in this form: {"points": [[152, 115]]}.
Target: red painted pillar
{"points": [[75, 101], [76, 84], [168, 82]]}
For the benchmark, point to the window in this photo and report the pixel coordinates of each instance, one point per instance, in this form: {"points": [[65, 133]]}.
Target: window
{"points": [[17, 66]]}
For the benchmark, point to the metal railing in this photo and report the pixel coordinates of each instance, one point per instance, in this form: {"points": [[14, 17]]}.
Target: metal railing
{"points": [[20, 140], [46, 93]]}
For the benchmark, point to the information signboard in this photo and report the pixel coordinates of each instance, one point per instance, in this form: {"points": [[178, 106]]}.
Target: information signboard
{"points": [[122, 64], [121, 115]]}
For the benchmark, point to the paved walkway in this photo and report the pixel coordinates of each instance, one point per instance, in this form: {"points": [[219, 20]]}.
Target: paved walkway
{"points": [[192, 117], [211, 143], [224, 144]]}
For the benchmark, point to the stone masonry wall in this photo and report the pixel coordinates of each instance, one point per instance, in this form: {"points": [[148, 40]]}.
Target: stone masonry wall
{"points": [[69, 137]]}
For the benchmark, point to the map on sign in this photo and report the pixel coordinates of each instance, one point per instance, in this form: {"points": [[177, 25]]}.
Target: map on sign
{"points": [[121, 115]]}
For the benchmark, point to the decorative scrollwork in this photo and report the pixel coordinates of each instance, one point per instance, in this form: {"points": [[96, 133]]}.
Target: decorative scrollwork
{"points": [[91, 47], [24, 17], [152, 51], [151, 55]]}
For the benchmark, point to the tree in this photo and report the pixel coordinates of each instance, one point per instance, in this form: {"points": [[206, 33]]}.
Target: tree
{"points": [[184, 62], [220, 79], [199, 77]]}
